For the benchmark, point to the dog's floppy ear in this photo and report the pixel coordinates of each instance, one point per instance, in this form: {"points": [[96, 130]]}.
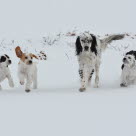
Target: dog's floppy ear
{"points": [[18, 51], [132, 53], [2, 59], [122, 66], [34, 56], [94, 44], [78, 46]]}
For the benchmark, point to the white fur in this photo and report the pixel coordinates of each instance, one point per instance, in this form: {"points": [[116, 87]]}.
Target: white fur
{"points": [[28, 73], [89, 61], [128, 76], [5, 73]]}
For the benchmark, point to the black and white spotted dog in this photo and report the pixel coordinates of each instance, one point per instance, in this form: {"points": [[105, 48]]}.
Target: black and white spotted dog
{"points": [[4, 70], [128, 76], [88, 51]]}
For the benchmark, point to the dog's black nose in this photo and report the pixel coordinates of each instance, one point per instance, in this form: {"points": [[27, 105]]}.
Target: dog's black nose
{"points": [[30, 62], [124, 59], [9, 61], [86, 48]]}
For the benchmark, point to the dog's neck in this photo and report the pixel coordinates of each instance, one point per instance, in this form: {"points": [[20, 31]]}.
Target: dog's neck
{"points": [[24, 65], [133, 66], [130, 66], [89, 55]]}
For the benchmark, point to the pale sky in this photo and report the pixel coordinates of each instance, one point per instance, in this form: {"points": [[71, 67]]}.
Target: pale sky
{"points": [[36, 17]]}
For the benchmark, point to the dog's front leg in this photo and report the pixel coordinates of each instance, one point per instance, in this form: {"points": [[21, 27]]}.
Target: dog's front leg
{"points": [[91, 71], [123, 78], [28, 84], [82, 73], [0, 87], [10, 80], [21, 78], [97, 66]]}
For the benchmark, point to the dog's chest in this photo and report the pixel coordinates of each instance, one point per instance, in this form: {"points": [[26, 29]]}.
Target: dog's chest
{"points": [[26, 70], [3, 74], [87, 59], [23, 70], [131, 73]]}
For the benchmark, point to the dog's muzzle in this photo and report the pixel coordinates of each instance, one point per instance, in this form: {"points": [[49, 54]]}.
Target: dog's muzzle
{"points": [[30, 62], [125, 60], [86, 48]]}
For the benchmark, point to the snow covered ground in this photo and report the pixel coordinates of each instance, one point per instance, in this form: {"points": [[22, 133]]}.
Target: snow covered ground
{"points": [[57, 107]]}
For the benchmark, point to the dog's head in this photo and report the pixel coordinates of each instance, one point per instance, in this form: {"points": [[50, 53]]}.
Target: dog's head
{"points": [[129, 60], [25, 58], [86, 42], [5, 60]]}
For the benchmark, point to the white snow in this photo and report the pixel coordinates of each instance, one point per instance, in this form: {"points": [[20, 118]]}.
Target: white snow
{"points": [[57, 108]]}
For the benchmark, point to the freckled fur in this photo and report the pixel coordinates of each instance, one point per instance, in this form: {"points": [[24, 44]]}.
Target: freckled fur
{"points": [[89, 58]]}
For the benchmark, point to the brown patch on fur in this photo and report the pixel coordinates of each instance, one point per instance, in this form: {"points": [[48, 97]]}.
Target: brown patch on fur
{"points": [[33, 56], [23, 57], [18, 51]]}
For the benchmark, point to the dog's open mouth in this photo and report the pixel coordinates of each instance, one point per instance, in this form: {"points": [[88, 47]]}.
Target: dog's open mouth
{"points": [[126, 62]]}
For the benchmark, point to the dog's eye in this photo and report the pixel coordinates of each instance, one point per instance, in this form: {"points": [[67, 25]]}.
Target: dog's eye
{"points": [[31, 57], [26, 57], [129, 58], [82, 40]]}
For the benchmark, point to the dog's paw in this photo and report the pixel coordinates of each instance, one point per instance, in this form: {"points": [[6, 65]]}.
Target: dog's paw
{"points": [[82, 89], [96, 86], [123, 85], [11, 84], [34, 87], [0, 88], [27, 90], [22, 82]]}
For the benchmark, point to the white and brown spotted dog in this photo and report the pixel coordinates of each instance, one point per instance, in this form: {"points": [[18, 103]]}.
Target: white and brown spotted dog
{"points": [[4, 70], [88, 50], [27, 69]]}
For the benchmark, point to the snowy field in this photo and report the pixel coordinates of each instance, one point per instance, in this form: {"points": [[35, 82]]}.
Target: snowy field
{"points": [[57, 108]]}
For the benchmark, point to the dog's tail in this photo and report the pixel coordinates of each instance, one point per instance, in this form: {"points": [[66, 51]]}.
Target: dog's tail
{"points": [[110, 38], [42, 56]]}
